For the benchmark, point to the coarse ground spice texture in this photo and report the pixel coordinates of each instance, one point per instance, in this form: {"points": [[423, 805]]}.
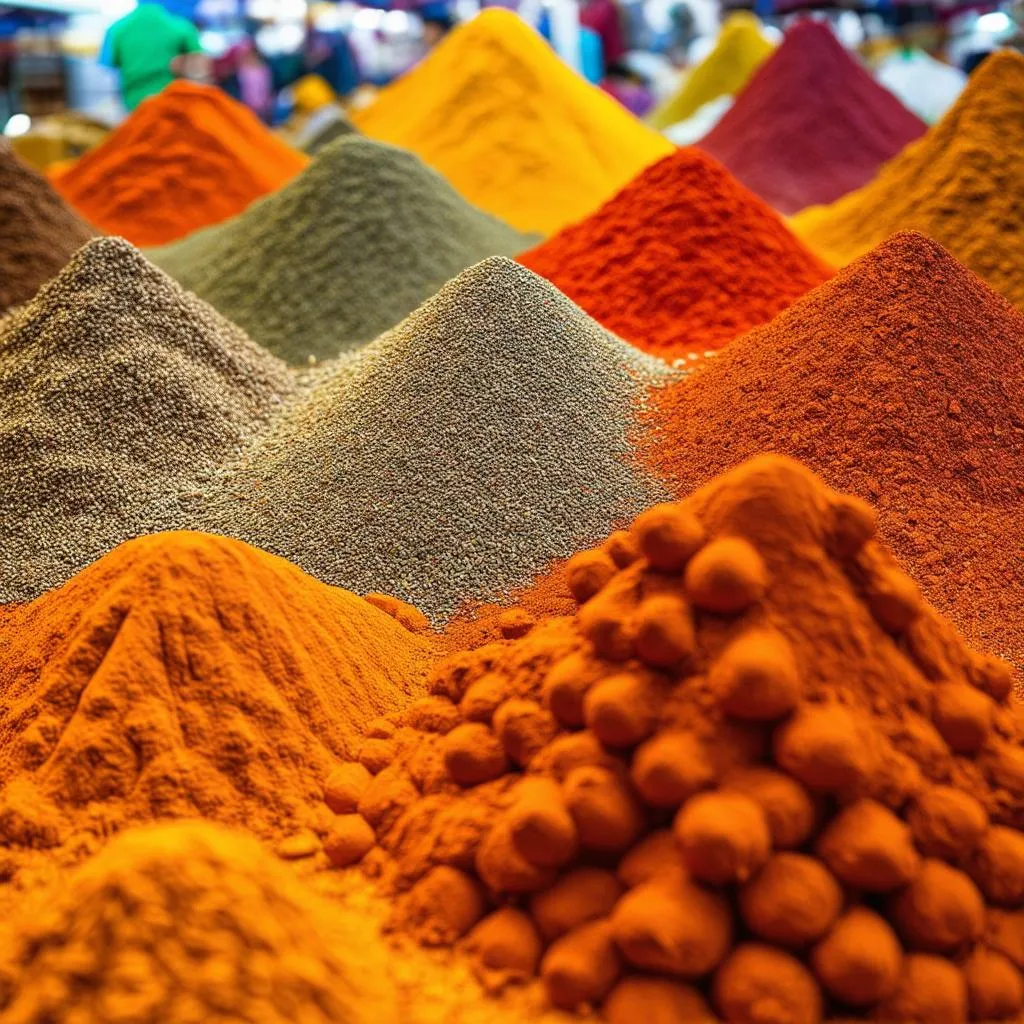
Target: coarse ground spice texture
{"points": [[454, 457], [961, 185], [516, 131], [354, 244], [188, 923], [741, 48], [118, 392], [682, 260], [754, 775], [898, 380], [185, 675], [187, 157], [39, 232], [811, 124]]}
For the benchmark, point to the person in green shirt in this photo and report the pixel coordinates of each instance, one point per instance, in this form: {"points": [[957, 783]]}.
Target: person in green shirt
{"points": [[144, 46]]}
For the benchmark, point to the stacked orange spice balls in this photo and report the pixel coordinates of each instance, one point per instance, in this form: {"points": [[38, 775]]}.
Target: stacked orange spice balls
{"points": [[754, 777]]}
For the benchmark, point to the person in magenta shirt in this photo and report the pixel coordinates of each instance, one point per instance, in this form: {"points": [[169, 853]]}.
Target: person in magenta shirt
{"points": [[604, 18]]}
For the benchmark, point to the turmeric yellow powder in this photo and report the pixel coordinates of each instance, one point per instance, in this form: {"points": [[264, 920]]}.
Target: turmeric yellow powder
{"points": [[740, 50], [189, 923], [960, 184], [514, 129]]}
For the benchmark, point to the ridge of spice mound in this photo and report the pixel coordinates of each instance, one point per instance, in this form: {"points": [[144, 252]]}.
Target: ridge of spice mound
{"points": [[896, 380], [354, 244], [189, 923], [188, 157], [755, 770], [39, 232], [811, 124], [454, 457], [189, 675], [740, 49], [512, 127], [682, 260], [959, 185], [119, 391]]}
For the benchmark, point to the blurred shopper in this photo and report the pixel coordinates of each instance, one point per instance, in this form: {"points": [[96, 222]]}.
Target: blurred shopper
{"points": [[330, 55], [605, 18], [149, 47]]}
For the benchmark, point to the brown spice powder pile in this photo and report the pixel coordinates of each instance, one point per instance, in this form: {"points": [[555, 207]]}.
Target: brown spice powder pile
{"points": [[755, 769], [39, 232], [898, 380]]}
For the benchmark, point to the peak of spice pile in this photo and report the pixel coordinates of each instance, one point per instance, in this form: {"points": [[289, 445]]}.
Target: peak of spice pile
{"points": [[811, 124], [355, 243], [755, 776], [682, 260], [119, 391], [897, 380], [188, 157], [185, 675], [515, 130], [192, 923], [960, 185], [741, 48], [39, 232], [455, 456]]}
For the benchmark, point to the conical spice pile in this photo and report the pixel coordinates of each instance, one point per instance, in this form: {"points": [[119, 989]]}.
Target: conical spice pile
{"points": [[755, 769]]}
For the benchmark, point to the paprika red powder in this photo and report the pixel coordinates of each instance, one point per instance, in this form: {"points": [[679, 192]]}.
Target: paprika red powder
{"points": [[682, 260]]}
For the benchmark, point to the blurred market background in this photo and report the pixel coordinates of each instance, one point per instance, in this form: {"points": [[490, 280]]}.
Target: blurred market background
{"points": [[72, 69]]}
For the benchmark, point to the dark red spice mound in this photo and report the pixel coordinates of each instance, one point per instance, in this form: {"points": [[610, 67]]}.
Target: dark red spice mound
{"points": [[39, 232], [899, 380], [683, 259], [811, 125]]}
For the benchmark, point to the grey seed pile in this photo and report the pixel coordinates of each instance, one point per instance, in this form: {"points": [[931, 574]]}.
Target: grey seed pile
{"points": [[322, 129], [364, 235], [119, 392], [454, 457], [39, 232]]}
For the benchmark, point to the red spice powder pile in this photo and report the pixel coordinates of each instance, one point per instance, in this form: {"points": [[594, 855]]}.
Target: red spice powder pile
{"points": [[754, 772], [898, 380], [811, 125], [683, 259]]}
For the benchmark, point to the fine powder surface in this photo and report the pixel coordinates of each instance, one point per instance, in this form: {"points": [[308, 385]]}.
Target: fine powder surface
{"points": [[898, 380], [354, 244], [811, 125], [741, 48], [186, 675], [754, 763], [188, 157], [454, 457], [682, 260], [118, 392], [515, 130], [39, 232], [189, 923], [961, 185]]}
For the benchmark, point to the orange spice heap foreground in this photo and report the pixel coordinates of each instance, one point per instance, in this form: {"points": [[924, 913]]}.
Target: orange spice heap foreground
{"points": [[755, 773], [188, 675], [187, 157], [190, 923]]}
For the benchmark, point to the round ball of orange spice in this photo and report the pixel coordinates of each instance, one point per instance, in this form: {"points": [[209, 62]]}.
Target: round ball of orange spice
{"points": [[860, 959], [726, 576], [668, 536], [761, 983], [723, 836]]}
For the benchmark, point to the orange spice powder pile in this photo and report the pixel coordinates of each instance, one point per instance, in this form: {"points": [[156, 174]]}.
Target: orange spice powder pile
{"points": [[188, 675], [755, 769], [186, 158]]}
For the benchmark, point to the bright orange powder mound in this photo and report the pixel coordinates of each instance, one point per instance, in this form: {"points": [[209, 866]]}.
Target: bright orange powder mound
{"points": [[512, 127], [186, 158], [188, 675]]}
